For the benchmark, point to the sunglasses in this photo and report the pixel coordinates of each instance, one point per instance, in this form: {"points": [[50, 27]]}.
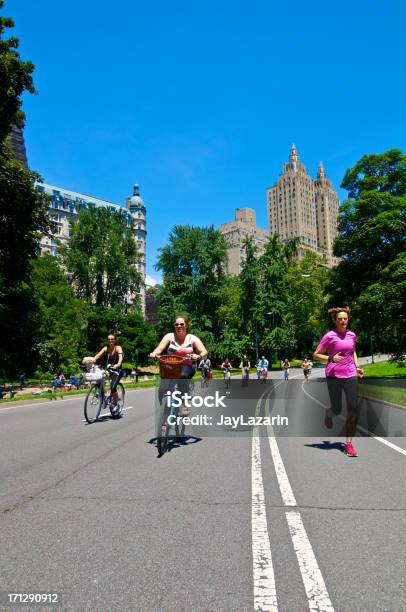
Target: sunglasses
{"points": [[179, 325]]}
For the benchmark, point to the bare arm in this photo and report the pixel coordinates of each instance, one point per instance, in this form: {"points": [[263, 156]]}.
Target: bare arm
{"points": [[360, 371], [162, 346], [100, 353], [320, 356], [199, 347]]}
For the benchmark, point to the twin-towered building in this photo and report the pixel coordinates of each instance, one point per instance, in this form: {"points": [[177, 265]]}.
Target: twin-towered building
{"points": [[297, 206]]}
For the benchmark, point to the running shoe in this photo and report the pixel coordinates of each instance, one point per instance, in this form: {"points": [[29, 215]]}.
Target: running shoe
{"points": [[328, 420], [350, 450]]}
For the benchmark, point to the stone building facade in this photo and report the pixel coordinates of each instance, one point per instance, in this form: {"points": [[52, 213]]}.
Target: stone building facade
{"points": [[299, 206], [244, 226], [64, 208]]}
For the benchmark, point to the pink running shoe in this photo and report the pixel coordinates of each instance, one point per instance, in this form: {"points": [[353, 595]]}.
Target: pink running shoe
{"points": [[350, 450]]}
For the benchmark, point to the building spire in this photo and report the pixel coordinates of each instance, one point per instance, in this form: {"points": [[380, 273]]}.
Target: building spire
{"points": [[293, 157], [321, 174], [136, 190]]}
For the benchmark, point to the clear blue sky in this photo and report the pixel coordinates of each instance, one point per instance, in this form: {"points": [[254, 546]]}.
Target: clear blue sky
{"points": [[200, 102]]}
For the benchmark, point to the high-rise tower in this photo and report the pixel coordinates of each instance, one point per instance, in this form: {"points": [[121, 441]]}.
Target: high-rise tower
{"points": [[296, 205], [135, 204], [327, 205]]}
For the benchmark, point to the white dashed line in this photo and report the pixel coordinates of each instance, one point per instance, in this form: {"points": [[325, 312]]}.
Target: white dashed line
{"points": [[264, 577], [313, 581]]}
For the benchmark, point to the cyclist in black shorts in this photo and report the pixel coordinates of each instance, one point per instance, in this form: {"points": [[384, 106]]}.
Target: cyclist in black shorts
{"points": [[115, 356]]}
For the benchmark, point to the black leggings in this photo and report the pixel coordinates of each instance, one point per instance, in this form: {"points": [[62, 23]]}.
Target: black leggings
{"points": [[335, 387], [115, 376]]}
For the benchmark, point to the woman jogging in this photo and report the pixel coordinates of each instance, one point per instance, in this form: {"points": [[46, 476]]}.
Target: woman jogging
{"points": [[342, 372], [307, 368]]}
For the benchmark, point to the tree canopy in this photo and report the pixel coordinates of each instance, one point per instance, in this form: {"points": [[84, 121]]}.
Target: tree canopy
{"points": [[23, 212], [371, 244], [101, 257]]}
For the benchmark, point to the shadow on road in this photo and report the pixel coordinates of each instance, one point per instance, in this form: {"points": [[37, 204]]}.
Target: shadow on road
{"points": [[327, 445], [176, 442]]}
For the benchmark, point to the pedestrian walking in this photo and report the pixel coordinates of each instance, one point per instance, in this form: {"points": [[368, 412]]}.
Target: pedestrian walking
{"points": [[286, 367]]}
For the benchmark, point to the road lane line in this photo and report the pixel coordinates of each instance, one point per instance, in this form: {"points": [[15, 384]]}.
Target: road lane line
{"points": [[264, 578], [394, 447], [313, 581], [265, 597]]}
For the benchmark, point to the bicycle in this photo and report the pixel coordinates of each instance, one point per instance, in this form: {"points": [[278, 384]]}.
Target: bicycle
{"points": [[205, 378], [263, 374], [227, 378], [97, 399], [170, 367]]}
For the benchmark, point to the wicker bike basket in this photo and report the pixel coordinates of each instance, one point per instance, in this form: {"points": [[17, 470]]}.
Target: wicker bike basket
{"points": [[170, 366]]}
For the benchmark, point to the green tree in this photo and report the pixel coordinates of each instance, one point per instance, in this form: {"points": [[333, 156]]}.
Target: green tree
{"points": [[308, 297], [192, 266], [371, 244], [101, 257], [61, 322], [265, 317], [136, 337], [15, 79], [23, 213]]}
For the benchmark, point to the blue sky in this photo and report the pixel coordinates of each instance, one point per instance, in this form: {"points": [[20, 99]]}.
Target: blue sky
{"points": [[200, 102]]}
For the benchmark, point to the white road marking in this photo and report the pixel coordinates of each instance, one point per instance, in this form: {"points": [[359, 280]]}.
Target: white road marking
{"points": [[315, 587], [394, 447], [314, 584], [107, 414], [264, 577]]}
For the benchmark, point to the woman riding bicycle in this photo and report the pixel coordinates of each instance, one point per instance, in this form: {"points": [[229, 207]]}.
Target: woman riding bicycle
{"points": [[226, 367], [205, 368], [186, 345], [245, 366], [115, 356]]}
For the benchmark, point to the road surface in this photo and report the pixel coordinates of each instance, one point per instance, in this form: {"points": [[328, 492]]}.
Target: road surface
{"points": [[236, 522]]}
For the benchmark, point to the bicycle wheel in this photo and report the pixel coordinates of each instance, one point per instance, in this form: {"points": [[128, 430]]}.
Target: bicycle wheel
{"points": [[180, 430], [117, 410], [162, 429], [93, 404]]}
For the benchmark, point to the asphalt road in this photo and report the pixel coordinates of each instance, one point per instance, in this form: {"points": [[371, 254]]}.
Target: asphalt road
{"points": [[234, 522]]}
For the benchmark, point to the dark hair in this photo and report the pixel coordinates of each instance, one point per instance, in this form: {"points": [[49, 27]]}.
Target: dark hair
{"points": [[112, 334], [186, 320], [337, 309]]}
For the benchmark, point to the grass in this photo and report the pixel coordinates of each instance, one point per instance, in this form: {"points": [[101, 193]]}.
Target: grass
{"points": [[384, 369], [392, 395]]}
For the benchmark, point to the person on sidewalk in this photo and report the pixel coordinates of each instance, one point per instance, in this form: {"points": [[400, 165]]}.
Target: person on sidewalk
{"points": [[342, 373]]}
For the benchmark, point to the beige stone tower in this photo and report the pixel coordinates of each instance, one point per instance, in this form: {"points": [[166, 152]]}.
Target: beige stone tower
{"points": [[244, 226], [296, 205], [327, 205]]}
